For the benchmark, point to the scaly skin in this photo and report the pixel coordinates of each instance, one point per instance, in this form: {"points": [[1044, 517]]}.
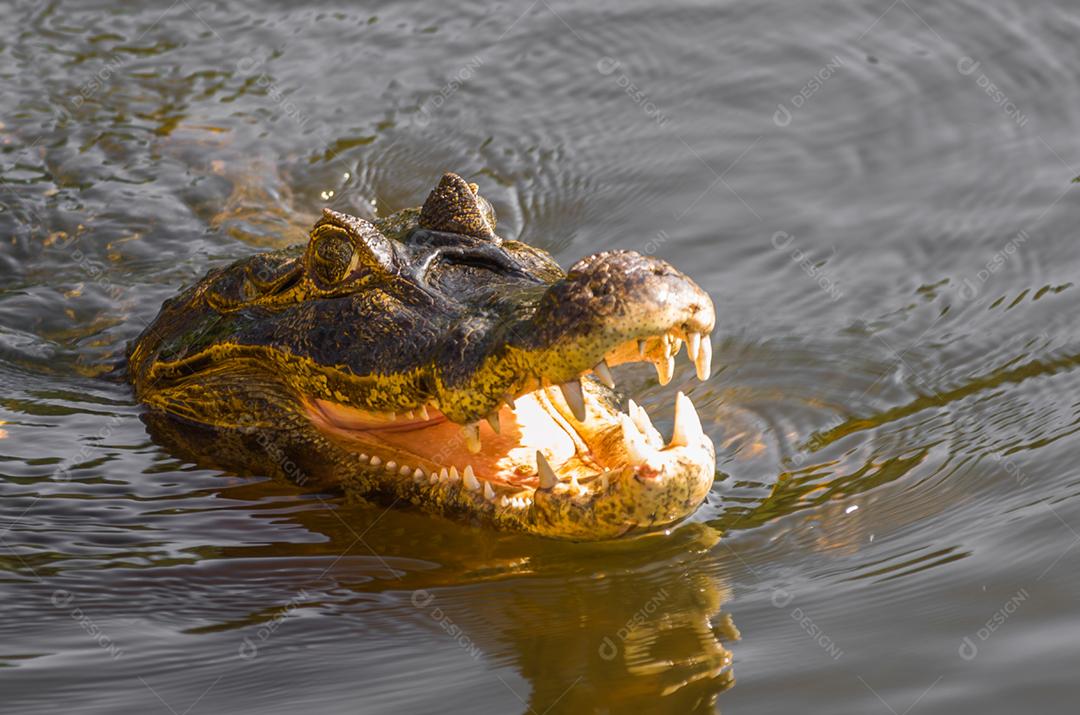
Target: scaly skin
{"points": [[424, 359]]}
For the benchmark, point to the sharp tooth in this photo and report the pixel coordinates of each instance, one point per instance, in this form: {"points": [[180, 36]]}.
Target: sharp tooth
{"points": [[454, 476], [676, 345], [547, 474], [693, 344], [489, 493], [602, 372], [703, 363], [471, 482], [571, 392], [574, 486], [493, 420], [504, 501], [665, 369], [687, 425], [641, 348], [419, 476], [472, 437], [645, 425], [605, 481], [444, 475], [423, 413], [508, 400], [375, 461], [638, 450]]}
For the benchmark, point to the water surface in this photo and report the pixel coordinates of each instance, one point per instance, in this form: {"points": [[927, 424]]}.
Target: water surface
{"points": [[876, 194]]}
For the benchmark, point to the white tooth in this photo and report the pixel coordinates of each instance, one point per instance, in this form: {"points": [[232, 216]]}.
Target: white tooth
{"points": [[676, 345], [391, 466], [508, 399], [571, 392], [363, 459], [435, 478], [645, 425], [493, 420], [703, 363], [489, 493], [375, 461], [454, 476], [472, 437], [405, 471], [665, 369], [602, 372], [693, 344], [419, 476], [687, 424], [641, 348], [547, 474], [637, 448], [504, 501], [574, 486], [471, 482], [423, 413], [444, 475]]}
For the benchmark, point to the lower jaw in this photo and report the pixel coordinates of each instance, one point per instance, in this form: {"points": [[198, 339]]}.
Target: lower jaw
{"points": [[430, 466]]}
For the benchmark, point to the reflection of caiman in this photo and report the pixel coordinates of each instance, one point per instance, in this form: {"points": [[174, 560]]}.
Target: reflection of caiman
{"points": [[423, 359]]}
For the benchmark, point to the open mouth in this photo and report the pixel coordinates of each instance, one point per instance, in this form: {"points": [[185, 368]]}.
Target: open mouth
{"points": [[561, 459]]}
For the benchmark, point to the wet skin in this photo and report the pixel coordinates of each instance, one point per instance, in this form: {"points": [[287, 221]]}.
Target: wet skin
{"points": [[421, 359]]}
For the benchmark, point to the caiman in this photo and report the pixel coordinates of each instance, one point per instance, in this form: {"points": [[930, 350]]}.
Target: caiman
{"points": [[422, 359]]}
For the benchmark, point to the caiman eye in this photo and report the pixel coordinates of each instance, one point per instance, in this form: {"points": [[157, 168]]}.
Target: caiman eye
{"points": [[332, 258]]}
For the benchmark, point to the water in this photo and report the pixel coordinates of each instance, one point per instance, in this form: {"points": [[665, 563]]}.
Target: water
{"points": [[876, 195]]}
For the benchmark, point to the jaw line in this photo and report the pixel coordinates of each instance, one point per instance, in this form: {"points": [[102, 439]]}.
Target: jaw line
{"points": [[580, 453]]}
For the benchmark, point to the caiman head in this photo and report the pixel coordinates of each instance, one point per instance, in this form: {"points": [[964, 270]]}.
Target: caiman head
{"points": [[422, 359]]}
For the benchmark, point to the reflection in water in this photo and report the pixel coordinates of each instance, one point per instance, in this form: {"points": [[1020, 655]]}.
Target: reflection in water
{"points": [[607, 627]]}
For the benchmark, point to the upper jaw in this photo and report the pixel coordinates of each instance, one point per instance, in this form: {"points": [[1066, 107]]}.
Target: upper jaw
{"points": [[610, 308]]}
